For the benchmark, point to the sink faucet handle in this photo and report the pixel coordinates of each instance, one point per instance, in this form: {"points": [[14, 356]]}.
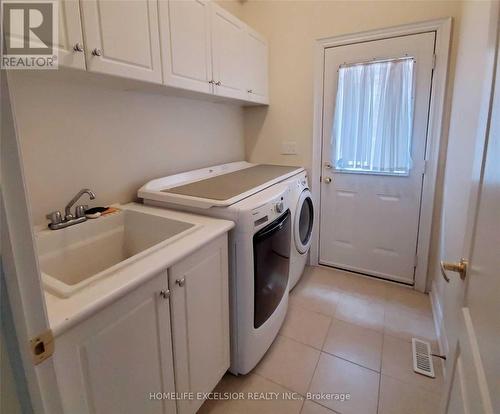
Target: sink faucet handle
{"points": [[79, 211], [55, 217]]}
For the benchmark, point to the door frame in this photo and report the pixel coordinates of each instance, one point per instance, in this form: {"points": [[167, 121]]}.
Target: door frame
{"points": [[436, 125], [21, 268]]}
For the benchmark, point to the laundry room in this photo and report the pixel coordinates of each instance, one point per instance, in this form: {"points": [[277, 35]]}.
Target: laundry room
{"points": [[250, 206]]}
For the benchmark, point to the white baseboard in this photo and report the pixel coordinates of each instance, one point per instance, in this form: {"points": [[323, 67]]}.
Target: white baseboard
{"points": [[437, 314]]}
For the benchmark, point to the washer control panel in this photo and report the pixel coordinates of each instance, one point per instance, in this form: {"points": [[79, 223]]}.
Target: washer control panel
{"points": [[271, 209]]}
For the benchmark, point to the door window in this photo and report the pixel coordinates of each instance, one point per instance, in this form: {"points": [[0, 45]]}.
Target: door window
{"points": [[373, 119]]}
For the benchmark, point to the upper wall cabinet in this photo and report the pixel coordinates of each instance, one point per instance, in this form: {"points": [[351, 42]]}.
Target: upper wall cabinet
{"points": [[228, 52], [256, 59], [70, 48], [206, 49], [185, 43], [122, 38], [194, 45]]}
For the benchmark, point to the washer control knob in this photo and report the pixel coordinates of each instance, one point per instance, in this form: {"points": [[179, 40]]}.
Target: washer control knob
{"points": [[279, 207]]}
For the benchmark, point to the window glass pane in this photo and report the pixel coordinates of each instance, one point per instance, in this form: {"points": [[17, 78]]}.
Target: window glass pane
{"points": [[373, 120]]}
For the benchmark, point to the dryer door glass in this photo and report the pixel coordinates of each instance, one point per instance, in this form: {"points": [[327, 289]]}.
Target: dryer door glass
{"points": [[306, 221], [271, 255]]}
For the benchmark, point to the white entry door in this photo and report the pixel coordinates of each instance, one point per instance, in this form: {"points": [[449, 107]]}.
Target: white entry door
{"points": [[375, 113]]}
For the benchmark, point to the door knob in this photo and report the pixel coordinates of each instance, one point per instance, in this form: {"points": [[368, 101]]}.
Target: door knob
{"points": [[327, 180], [181, 282], [328, 165], [78, 47], [165, 294], [460, 268], [97, 52]]}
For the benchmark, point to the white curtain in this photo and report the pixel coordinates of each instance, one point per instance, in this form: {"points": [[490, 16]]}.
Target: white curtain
{"points": [[374, 117]]}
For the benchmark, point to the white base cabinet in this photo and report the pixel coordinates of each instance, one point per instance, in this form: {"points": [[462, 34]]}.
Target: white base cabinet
{"points": [[170, 335], [200, 322]]}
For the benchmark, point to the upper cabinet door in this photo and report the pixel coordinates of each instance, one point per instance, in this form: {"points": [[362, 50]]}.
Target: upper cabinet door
{"points": [[122, 38], [228, 51], [256, 52], [70, 47], [185, 43]]}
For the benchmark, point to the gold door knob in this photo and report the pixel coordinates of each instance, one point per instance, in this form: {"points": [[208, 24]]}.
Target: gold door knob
{"points": [[460, 268], [328, 180]]}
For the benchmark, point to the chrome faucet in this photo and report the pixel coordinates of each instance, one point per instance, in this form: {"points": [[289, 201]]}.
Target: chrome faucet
{"points": [[57, 221], [67, 210]]}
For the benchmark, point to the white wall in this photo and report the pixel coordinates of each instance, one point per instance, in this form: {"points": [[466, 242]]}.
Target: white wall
{"points": [[475, 55], [291, 28], [77, 133]]}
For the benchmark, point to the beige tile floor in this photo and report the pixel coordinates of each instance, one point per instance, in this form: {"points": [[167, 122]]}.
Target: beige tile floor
{"points": [[343, 334]]}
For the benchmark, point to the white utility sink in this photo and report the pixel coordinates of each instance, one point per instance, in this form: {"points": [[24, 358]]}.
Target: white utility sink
{"points": [[76, 256]]}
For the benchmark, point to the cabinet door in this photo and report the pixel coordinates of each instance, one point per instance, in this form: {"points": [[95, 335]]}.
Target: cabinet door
{"points": [[70, 46], [122, 38], [228, 52], [256, 54], [200, 321], [115, 360], [185, 43]]}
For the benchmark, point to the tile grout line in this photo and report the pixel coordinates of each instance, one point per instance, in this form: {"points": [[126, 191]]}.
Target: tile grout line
{"points": [[412, 384], [380, 376], [351, 362]]}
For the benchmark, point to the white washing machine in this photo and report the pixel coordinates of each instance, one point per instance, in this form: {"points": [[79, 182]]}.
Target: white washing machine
{"points": [[258, 199], [302, 226]]}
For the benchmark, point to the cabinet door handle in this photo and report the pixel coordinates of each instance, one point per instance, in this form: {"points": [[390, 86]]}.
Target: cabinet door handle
{"points": [[211, 82], [180, 282], [165, 294], [97, 52], [250, 91], [78, 47], [217, 83]]}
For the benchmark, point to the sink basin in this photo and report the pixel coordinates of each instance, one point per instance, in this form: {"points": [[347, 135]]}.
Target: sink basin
{"points": [[77, 256]]}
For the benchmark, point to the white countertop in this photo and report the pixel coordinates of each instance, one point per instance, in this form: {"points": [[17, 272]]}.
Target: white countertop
{"points": [[65, 313]]}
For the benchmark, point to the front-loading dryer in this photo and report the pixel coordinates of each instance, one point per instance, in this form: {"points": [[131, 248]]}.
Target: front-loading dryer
{"points": [[302, 226], [258, 199]]}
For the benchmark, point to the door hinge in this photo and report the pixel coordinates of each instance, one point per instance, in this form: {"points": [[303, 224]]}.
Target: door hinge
{"points": [[434, 57], [415, 263], [426, 164], [42, 346]]}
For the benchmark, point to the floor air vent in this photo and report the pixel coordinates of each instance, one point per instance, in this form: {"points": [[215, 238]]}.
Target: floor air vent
{"points": [[422, 358]]}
